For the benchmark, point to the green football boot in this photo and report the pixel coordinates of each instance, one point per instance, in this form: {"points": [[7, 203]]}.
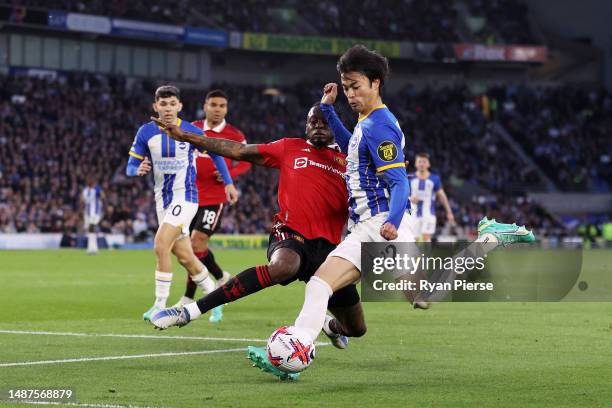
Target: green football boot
{"points": [[216, 315], [259, 357], [506, 234], [146, 316]]}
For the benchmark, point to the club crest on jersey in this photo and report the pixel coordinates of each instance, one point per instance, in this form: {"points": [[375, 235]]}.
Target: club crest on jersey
{"points": [[340, 160], [182, 145], [387, 151]]}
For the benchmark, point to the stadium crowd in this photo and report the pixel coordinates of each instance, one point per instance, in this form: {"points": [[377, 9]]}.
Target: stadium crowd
{"points": [[403, 20], [49, 149]]}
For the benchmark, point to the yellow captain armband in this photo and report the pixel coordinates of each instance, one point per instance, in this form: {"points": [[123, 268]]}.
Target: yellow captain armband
{"points": [[390, 166], [139, 157]]}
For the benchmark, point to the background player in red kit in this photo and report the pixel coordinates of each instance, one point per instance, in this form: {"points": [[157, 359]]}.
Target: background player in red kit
{"points": [[211, 191], [312, 199]]}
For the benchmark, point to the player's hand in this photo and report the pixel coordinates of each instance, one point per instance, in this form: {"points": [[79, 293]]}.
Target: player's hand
{"points": [[144, 168], [171, 129], [450, 218], [388, 231], [414, 199], [330, 92], [231, 194]]}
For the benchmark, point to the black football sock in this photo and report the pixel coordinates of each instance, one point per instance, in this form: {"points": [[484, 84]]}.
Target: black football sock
{"points": [[212, 266], [245, 283], [190, 288]]}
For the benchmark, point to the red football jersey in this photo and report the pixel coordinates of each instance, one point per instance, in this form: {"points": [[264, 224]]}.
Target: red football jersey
{"points": [[312, 194], [210, 190]]}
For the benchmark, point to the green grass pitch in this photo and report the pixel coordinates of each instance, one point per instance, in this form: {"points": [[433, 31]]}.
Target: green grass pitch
{"points": [[454, 355]]}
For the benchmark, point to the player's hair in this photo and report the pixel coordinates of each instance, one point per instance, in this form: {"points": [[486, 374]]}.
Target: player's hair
{"points": [[216, 93], [370, 63], [423, 155], [167, 91]]}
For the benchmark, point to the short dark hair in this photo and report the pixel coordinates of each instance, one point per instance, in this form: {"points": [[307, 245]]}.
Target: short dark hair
{"points": [[167, 91], [423, 155], [216, 93], [370, 63]]}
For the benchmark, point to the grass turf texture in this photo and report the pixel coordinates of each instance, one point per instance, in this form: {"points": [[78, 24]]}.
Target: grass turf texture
{"points": [[454, 355]]}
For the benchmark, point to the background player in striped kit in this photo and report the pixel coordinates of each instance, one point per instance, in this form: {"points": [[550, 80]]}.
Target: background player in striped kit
{"points": [[176, 195], [425, 187], [92, 199], [212, 198]]}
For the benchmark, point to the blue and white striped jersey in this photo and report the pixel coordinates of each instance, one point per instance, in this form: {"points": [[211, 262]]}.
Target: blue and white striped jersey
{"points": [[173, 162], [425, 190], [92, 199], [376, 145]]}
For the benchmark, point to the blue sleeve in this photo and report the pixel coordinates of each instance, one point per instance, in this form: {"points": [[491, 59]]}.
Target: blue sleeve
{"points": [[399, 187], [222, 167], [437, 184], [132, 166], [138, 151], [341, 134], [385, 143]]}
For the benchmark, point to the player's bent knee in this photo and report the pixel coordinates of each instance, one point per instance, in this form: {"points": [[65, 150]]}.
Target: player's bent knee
{"points": [[282, 269]]}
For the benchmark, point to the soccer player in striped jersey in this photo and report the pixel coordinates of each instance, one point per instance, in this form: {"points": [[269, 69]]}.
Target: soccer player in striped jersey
{"points": [[92, 199], [211, 195], [425, 187], [176, 194], [376, 180]]}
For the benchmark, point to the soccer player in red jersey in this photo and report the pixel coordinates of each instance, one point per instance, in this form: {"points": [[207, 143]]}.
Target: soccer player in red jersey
{"points": [[312, 197], [212, 197]]}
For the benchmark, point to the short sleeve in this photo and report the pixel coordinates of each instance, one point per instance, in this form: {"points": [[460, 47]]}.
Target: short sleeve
{"points": [[139, 148], [272, 153], [385, 144], [437, 184]]}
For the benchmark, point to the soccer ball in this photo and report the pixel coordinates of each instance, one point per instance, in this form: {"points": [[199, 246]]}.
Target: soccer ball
{"points": [[290, 349]]}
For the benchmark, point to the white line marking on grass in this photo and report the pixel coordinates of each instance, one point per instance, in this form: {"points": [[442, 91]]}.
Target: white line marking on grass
{"points": [[139, 336], [76, 404], [128, 336], [107, 358]]}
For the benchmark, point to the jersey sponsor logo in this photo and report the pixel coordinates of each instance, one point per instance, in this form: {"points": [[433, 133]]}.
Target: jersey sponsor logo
{"points": [[387, 151], [170, 166], [300, 163]]}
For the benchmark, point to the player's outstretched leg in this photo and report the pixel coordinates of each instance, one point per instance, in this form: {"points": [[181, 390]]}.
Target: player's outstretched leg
{"points": [[284, 265]]}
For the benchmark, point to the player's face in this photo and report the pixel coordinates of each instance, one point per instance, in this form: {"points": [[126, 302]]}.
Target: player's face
{"points": [[215, 109], [317, 131], [422, 163], [168, 108], [360, 92]]}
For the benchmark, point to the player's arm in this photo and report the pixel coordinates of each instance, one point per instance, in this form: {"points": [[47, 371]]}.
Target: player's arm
{"points": [[223, 147], [441, 195], [240, 167], [341, 133], [138, 163]]}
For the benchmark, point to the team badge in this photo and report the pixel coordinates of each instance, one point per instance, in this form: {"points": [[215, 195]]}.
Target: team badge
{"points": [[387, 151]]}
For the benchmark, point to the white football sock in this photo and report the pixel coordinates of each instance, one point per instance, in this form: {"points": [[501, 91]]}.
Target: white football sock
{"points": [[314, 310], [194, 310], [163, 281], [92, 242], [203, 281]]}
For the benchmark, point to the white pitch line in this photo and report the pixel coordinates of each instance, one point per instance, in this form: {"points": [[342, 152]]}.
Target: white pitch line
{"points": [[139, 336], [107, 358], [76, 404], [129, 336]]}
